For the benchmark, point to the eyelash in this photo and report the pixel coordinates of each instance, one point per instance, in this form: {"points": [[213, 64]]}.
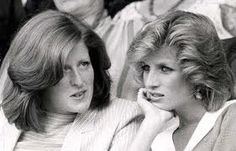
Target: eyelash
{"points": [[66, 69], [84, 64], [145, 68], [163, 68], [81, 65]]}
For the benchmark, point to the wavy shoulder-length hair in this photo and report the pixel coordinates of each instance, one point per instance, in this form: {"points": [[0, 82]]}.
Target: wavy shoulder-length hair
{"points": [[35, 62], [200, 54]]}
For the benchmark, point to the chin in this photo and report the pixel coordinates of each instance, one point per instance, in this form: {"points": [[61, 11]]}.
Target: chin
{"points": [[83, 109], [162, 106]]}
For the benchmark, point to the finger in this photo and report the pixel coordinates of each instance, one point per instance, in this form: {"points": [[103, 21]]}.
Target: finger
{"points": [[141, 93], [147, 107], [166, 115], [151, 98]]}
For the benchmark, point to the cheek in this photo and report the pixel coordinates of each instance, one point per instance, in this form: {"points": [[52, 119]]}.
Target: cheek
{"points": [[59, 89], [145, 78], [179, 89], [63, 84], [175, 87], [68, 6], [89, 76], [175, 81], [58, 4]]}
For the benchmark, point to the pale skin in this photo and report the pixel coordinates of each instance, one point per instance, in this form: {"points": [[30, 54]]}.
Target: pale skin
{"points": [[165, 93], [73, 93], [152, 124], [88, 10]]}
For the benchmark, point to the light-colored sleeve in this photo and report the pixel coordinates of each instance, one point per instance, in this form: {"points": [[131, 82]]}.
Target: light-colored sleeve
{"points": [[126, 130], [125, 136]]}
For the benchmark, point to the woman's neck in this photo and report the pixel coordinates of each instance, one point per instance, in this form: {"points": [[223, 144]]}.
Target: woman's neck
{"points": [[53, 120], [161, 6], [91, 15], [94, 19], [190, 114]]}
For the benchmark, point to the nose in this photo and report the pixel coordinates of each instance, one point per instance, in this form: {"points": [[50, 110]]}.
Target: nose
{"points": [[76, 80], [152, 81]]}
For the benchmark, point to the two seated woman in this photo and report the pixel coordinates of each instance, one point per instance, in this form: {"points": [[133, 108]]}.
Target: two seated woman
{"points": [[57, 90]]}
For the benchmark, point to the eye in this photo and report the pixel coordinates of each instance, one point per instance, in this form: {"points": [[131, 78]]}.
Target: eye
{"points": [[165, 69], [145, 68], [66, 69], [84, 64]]}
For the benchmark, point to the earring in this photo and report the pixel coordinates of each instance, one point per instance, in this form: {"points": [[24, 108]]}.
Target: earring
{"points": [[198, 96]]}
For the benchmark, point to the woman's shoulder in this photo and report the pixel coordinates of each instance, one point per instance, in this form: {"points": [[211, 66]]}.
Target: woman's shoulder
{"points": [[230, 106], [228, 115], [222, 133], [123, 106], [123, 102], [121, 110]]}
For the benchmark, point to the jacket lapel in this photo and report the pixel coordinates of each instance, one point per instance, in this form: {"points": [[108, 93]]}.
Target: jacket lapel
{"points": [[79, 132], [205, 125]]}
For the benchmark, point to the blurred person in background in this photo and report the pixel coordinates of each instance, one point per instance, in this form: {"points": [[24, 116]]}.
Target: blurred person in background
{"points": [[13, 13]]}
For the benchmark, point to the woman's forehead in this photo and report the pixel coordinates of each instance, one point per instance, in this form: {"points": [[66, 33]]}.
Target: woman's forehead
{"points": [[166, 52]]}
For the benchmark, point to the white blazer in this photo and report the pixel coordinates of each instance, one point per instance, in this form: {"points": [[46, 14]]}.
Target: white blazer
{"points": [[111, 128]]}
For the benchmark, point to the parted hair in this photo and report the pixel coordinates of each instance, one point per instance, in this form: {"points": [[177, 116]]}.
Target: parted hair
{"points": [[200, 54], [37, 57]]}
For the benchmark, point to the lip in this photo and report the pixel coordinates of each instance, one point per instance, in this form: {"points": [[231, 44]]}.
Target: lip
{"points": [[154, 96], [78, 94]]}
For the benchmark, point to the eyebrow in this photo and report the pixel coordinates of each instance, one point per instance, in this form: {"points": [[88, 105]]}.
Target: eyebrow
{"points": [[170, 63], [165, 62], [83, 60]]}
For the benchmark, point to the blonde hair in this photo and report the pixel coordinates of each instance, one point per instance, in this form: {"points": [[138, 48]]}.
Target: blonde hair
{"points": [[199, 53]]}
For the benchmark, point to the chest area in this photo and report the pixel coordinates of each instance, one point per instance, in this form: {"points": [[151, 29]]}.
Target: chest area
{"points": [[181, 136]]}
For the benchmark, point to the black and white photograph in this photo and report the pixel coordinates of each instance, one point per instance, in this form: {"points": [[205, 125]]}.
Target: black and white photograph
{"points": [[117, 75]]}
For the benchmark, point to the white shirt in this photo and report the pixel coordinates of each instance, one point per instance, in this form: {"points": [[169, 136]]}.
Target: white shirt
{"points": [[24, 2]]}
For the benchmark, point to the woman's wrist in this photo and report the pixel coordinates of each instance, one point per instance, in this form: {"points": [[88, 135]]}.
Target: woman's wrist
{"points": [[151, 127], [145, 136]]}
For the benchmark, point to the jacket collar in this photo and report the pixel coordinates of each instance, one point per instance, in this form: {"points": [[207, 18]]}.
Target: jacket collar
{"points": [[83, 125], [205, 125]]}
